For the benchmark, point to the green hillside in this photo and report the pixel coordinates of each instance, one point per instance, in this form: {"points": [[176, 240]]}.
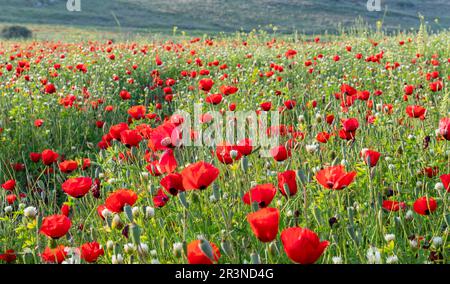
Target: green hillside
{"points": [[309, 16]]}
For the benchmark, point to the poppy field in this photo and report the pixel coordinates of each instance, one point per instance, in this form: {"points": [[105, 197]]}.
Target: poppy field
{"points": [[98, 164]]}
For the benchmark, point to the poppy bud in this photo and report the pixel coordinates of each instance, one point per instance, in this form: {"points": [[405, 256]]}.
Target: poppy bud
{"points": [[206, 248], [116, 222], [109, 245], [149, 212], [128, 213], [106, 213], [216, 191], [135, 233], [273, 249], [117, 259], [318, 118], [8, 209], [182, 196], [30, 212], [136, 211], [227, 247], [244, 164], [255, 258], [178, 250], [439, 186]]}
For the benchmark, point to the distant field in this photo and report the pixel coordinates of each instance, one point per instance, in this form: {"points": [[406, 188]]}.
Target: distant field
{"points": [[231, 15]]}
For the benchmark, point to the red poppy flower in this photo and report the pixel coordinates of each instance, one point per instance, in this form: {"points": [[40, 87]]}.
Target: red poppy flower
{"points": [[214, 99], [196, 255], [287, 181], [264, 223], [9, 185], [55, 255], [38, 122], [172, 183], [18, 167], [347, 135], [11, 198], [245, 146], [205, 84], [370, 157], [35, 157], [9, 256], [77, 187], [430, 171], [130, 138], [153, 168], [199, 176], [409, 89], [262, 194], [329, 119], [50, 88], [55, 226], [167, 162], [302, 245], [228, 90], [117, 200], [350, 125], [323, 137], [125, 95], [115, 130], [163, 137], [65, 210], [290, 53], [90, 252], [436, 86], [137, 112], [416, 112], [335, 177], [290, 104], [446, 182], [266, 106], [160, 199], [86, 163], [348, 90], [394, 206], [224, 153], [280, 153], [444, 128], [68, 166], [425, 206], [49, 157]]}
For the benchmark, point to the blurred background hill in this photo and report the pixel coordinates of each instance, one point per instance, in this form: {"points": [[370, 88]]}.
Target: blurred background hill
{"points": [[307, 16]]}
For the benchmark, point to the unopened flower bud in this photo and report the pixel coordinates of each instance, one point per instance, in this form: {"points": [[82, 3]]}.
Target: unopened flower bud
{"points": [[116, 222], [439, 186], [106, 213], [117, 259], [409, 215], [135, 211], [129, 248], [337, 260], [30, 212], [178, 249], [109, 245], [149, 212], [234, 154]]}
